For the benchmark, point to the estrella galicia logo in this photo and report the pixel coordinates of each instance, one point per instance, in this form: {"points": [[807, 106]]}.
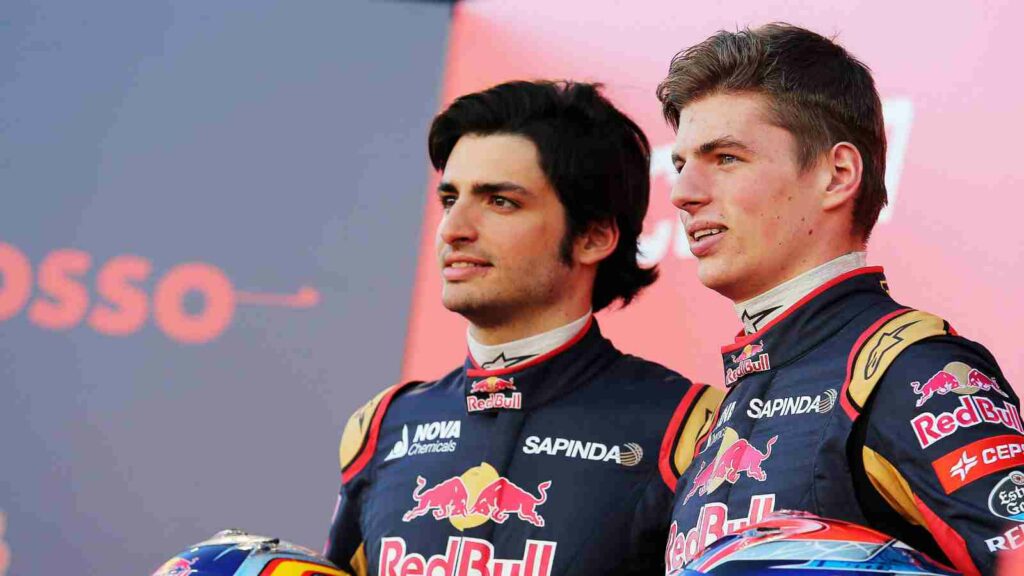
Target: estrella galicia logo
{"points": [[1007, 499]]}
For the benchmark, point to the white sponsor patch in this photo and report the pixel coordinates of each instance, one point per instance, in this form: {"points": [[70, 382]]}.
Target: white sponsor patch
{"points": [[820, 404], [628, 454], [429, 438]]}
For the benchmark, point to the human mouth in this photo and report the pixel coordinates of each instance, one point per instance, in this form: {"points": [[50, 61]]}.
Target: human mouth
{"points": [[708, 232], [461, 268], [704, 236]]}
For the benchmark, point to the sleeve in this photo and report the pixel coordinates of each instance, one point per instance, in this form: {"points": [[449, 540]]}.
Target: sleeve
{"points": [[689, 425], [652, 515], [345, 541], [942, 445]]}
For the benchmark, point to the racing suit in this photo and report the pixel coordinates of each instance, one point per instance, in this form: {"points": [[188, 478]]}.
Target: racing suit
{"points": [[561, 465], [852, 407]]}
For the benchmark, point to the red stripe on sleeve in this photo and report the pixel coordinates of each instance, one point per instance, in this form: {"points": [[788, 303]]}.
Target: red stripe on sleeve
{"points": [[674, 425], [371, 443], [951, 543]]}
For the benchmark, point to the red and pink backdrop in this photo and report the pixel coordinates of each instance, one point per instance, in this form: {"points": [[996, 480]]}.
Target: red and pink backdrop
{"points": [[950, 239]]}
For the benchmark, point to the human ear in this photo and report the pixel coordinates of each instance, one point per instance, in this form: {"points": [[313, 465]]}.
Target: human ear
{"points": [[846, 167], [597, 243]]}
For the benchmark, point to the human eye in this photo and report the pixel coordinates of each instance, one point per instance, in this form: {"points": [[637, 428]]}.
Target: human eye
{"points": [[679, 166], [503, 202], [447, 201], [726, 159]]}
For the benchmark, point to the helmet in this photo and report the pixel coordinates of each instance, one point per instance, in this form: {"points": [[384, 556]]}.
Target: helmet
{"points": [[788, 543], [237, 553]]}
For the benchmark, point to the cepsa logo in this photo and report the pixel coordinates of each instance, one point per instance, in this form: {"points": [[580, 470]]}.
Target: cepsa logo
{"points": [[121, 304]]}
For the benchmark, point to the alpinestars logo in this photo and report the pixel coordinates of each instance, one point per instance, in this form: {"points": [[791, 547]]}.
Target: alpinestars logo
{"points": [[430, 438], [628, 454]]}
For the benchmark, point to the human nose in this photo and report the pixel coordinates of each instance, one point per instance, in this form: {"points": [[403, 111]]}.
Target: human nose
{"points": [[689, 192], [458, 224]]}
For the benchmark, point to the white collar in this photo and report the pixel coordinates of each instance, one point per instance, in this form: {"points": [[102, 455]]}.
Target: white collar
{"points": [[765, 307], [518, 351]]}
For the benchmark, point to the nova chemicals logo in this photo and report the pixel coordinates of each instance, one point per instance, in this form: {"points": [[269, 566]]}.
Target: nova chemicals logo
{"points": [[126, 291], [430, 438]]}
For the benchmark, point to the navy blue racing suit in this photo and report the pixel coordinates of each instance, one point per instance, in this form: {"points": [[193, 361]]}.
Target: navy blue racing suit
{"points": [[561, 465], [851, 406]]}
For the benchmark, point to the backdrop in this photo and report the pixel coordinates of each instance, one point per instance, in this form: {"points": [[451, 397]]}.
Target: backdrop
{"points": [[208, 232], [950, 238]]}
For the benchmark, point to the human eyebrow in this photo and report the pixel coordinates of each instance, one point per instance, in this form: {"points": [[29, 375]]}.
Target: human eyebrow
{"points": [[722, 142], [447, 188], [487, 188]]}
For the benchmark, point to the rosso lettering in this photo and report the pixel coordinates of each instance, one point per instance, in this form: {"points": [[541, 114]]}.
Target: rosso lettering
{"points": [[122, 305]]}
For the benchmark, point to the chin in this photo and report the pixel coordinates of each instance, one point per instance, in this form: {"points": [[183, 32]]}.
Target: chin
{"points": [[715, 278]]}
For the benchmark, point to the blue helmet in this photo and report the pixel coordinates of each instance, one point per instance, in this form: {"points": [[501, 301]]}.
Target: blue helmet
{"points": [[789, 543], [237, 553]]}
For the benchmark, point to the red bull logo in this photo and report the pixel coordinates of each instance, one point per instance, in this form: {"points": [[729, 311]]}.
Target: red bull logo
{"points": [[478, 496], [973, 410], [751, 359], [958, 378], [465, 556], [713, 522], [495, 394], [176, 567], [491, 385], [736, 456], [748, 353]]}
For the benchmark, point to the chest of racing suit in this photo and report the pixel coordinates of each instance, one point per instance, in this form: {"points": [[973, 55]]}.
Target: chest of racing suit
{"points": [[547, 468], [836, 408]]}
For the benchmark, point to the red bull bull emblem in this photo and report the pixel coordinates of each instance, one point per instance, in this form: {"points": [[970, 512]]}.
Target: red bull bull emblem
{"points": [[177, 567], [735, 456], [713, 522], [751, 359], [958, 378], [493, 393], [477, 496]]}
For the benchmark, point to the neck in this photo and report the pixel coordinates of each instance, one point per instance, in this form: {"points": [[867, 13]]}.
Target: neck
{"points": [[758, 311], [512, 352]]}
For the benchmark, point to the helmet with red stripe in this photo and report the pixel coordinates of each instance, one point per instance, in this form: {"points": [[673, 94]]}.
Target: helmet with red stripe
{"points": [[237, 553]]}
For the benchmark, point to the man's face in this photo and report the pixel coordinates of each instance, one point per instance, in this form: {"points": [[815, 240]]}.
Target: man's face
{"points": [[750, 212], [498, 239]]}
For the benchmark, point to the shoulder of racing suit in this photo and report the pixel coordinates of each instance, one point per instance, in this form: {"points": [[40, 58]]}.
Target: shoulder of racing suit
{"points": [[359, 440], [690, 424], [880, 345], [938, 408]]}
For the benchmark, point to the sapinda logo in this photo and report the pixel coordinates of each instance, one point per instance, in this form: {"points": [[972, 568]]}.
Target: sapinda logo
{"points": [[121, 304], [665, 234]]}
